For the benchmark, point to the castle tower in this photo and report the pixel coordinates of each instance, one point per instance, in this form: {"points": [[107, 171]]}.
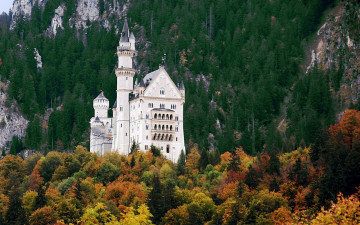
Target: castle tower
{"points": [[124, 74], [101, 106]]}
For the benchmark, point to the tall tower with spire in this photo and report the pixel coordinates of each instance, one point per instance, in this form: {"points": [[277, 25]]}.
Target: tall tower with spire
{"points": [[124, 76], [149, 113]]}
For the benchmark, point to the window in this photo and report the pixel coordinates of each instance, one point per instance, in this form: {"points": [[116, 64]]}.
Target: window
{"points": [[125, 134], [126, 78], [147, 127], [176, 139], [162, 106], [121, 108], [176, 129], [167, 148], [176, 118], [146, 147], [147, 116], [173, 106], [147, 137], [150, 105], [162, 92], [120, 124]]}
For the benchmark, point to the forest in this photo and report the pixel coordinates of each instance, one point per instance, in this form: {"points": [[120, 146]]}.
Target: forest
{"points": [[316, 185], [265, 142], [240, 61]]}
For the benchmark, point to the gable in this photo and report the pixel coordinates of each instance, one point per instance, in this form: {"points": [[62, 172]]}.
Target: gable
{"points": [[162, 86]]}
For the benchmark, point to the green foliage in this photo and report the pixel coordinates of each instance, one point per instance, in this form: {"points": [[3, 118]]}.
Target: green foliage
{"points": [[181, 163], [155, 150], [107, 172], [66, 184]]}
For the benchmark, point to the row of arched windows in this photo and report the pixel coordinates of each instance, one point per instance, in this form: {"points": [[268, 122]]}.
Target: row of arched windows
{"points": [[162, 137], [162, 127], [159, 116]]}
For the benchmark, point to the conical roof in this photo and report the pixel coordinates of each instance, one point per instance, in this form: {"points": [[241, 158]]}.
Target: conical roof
{"points": [[132, 36], [182, 86], [101, 96], [125, 32]]}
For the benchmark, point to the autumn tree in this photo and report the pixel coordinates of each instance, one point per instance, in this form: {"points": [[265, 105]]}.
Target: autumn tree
{"points": [[43, 216]]}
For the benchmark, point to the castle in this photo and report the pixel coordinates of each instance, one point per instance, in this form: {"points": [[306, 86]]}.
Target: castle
{"points": [[147, 113]]}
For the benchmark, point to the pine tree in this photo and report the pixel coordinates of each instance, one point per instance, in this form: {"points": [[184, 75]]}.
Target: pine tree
{"points": [[40, 200], [156, 200], [181, 164], [15, 213]]}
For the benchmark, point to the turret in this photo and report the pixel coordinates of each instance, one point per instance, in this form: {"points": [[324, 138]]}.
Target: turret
{"points": [[124, 75], [101, 106], [132, 41], [182, 89]]}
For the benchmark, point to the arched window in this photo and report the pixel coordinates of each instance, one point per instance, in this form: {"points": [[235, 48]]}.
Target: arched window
{"points": [[171, 117], [167, 148], [167, 127], [162, 137], [166, 137], [154, 137], [167, 116], [158, 137], [155, 127], [170, 137], [147, 127], [170, 127], [163, 127], [155, 116], [163, 116]]}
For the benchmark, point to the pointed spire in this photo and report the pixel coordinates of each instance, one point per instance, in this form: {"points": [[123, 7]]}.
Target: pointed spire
{"points": [[101, 96], [132, 36], [125, 32], [182, 87]]}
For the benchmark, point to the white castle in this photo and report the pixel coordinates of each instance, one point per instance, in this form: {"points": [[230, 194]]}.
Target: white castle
{"points": [[149, 113]]}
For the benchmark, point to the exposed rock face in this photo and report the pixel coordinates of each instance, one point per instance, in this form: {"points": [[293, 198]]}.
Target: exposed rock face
{"points": [[57, 20], [86, 10], [23, 8], [12, 123], [38, 59], [334, 48]]}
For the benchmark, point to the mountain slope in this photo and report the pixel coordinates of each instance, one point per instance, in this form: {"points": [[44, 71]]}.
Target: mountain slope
{"points": [[240, 61]]}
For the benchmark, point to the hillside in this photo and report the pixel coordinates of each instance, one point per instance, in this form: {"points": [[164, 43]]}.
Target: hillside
{"points": [[242, 64], [145, 188]]}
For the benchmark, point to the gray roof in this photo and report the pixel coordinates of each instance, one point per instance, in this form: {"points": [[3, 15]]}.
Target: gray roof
{"points": [[101, 96], [96, 131], [115, 104], [125, 32], [150, 77], [132, 36], [182, 86]]}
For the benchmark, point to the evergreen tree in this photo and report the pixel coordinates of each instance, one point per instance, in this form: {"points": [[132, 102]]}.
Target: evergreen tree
{"points": [[181, 164], [40, 200], [204, 159], [156, 200], [15, 213]]}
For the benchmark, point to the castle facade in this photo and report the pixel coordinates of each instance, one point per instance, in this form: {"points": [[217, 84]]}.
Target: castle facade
{"points": [[147, 113]]}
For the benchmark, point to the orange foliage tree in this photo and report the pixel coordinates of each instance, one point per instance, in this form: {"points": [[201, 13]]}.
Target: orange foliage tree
{"points": [[125, 193]]}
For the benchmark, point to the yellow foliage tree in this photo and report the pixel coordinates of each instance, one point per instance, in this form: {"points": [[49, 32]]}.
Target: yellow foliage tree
{"points": [[140, 216], [345, 211], [29, 202], [98, 215]]}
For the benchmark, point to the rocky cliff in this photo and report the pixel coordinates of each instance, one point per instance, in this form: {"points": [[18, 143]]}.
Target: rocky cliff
{"points": [[87, 11], [334, 50], [12, 123]]}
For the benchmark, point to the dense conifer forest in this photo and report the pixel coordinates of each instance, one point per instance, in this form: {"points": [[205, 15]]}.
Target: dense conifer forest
{"points": [[240, 60], [266, 143]]}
